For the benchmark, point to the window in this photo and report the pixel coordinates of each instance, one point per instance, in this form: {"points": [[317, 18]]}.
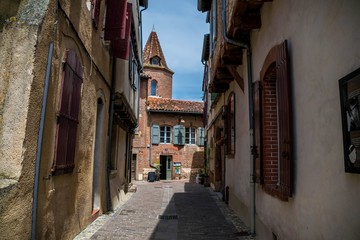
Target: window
{"points": [[179, 135], [153, 87], [155, 61], [273, 131], [201, 137], [165, 134], [67, 119], [231, 125], [190, 136]]}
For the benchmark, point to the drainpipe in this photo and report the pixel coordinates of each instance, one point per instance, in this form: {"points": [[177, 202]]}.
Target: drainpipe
{"points": [[40, 141], [251, 113], [150, 157], [41, 129]]}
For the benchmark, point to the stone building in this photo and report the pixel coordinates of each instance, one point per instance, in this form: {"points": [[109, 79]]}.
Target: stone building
{"points": [[69, 81], [170, 135], [282, 90]]}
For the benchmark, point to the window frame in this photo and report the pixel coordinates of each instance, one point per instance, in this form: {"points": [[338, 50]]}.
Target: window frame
{"points": [[189, 138], [153, 89], [166, 131]]}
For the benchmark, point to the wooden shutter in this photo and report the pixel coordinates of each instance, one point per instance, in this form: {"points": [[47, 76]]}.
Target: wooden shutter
{"points": [[179, 135], [284, 118], [155, 134], [176, 134], [95, 13], [201, 136], [68, 114], [121, 47], [115, 25], [257, 151]]}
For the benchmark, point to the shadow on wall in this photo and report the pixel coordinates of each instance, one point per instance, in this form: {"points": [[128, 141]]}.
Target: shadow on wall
{"points": [[197, 164], [8, 11]]}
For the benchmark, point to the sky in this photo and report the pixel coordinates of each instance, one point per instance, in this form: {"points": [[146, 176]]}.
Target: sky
{"points": [[180, 28]]}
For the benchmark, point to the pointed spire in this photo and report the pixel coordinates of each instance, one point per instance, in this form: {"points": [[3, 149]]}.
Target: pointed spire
{"points": [[153, 29], [153, 49]]}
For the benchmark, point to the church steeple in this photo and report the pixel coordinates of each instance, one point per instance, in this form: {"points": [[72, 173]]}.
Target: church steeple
{"points": [[153, 54], [160, 82]]}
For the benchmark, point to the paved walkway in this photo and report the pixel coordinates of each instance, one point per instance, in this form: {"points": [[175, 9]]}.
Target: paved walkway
{"points": [[169, 210]]}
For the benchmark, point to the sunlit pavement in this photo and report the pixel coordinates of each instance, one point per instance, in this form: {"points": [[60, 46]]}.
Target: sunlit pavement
{"points": [[169, 210]]}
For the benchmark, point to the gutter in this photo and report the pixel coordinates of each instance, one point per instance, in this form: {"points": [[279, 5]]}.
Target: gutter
{"points": [[251, 113]]}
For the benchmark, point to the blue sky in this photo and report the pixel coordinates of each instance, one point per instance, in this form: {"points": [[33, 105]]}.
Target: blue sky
{"points": [[180, 28]]}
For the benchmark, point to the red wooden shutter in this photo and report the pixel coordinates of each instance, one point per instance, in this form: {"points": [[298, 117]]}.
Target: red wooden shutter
{"points": [[121, 48], [68, 114], [284, 118], [95, 13], [257, 151], [115, 20]]}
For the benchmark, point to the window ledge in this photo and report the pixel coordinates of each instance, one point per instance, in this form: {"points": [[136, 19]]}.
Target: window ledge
{"points": [[275, 191]]}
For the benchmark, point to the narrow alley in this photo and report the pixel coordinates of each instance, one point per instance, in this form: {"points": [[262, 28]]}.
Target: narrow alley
{"points": [[169, 210]]}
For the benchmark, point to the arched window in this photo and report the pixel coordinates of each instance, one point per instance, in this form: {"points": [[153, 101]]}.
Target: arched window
{"points": [[273, 124], [153, 87]]}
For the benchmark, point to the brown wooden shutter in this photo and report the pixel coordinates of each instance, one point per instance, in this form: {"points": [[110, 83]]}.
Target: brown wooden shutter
{"points": [[68, 114], [257, 150], [115, 20], [121, 48], [95, 13], [284, 118]]}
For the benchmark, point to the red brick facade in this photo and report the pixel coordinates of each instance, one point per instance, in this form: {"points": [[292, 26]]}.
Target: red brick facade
{"points": [[161, 110]]}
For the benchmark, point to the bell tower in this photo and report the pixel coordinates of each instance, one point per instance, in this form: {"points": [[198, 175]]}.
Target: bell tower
{"points": [[160, 82]]}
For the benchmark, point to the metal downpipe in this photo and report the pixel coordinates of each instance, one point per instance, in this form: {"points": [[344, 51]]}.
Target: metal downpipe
{"points": [[251, 112], [40, 141]]}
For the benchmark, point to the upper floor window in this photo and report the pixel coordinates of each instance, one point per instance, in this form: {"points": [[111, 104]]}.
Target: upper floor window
{"points": [[68, 116], [165, 134], [153, 87], [273, 125], [190, 136], [155, 61]]}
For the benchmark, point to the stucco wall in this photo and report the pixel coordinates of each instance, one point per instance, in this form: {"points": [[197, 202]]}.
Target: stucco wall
{"points": [[323, 41], [21, 81], [65, 201]]}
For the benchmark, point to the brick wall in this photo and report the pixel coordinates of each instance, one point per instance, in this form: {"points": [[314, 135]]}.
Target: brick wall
{"points": [[270, 132], [164, 81], [190, 156]]}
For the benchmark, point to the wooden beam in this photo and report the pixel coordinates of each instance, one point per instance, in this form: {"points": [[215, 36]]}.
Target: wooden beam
{"points": [[236, 75]]}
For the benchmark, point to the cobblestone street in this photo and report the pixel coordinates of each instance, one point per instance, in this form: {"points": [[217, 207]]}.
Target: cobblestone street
{"points": [[169, 210]]}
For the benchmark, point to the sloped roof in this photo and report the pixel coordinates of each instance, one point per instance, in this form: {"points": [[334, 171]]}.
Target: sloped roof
{"points": [[152, 49], [156, 104]]}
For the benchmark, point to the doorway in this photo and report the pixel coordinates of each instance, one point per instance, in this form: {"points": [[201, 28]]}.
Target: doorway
{"points": [[98, 154], [165, 167]]}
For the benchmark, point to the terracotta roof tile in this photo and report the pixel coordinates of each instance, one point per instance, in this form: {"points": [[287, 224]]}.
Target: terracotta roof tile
{"points": [[172, 105]]}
